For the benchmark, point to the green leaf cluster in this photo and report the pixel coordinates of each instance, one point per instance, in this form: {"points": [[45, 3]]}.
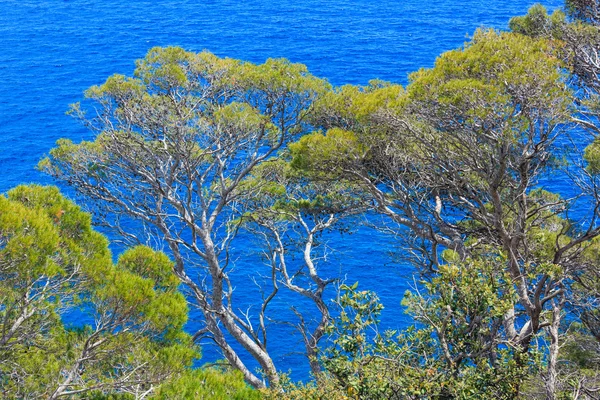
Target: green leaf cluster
{"points": [[54, 266]]}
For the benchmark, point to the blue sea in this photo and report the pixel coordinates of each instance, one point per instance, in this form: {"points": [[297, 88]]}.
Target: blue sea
{"points": [[51, 51]]}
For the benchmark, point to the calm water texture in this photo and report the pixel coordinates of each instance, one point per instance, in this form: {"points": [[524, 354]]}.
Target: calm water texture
{"points": [[51, 51]]}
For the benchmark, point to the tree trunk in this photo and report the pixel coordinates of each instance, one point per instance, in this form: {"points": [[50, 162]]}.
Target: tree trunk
{"points": [[552, 373]]}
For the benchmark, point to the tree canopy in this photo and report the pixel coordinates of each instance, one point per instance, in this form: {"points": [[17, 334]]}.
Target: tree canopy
{"points": [[180, 148], [128, 338], [195, 149]]}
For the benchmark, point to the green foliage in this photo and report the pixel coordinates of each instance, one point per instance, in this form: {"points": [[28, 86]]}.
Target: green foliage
{"points": [[53, 265], [332, 152], [460, 295], [222, 95], [474, 101], [277, 194], [453, 352], [592, 157], [208, 383], [360, 310], [461, 315], [348, 106], [350, 360], [537, 22], [480, 86]]}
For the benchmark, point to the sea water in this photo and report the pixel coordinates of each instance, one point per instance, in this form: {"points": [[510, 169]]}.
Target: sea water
{"points": [[51, 51]]}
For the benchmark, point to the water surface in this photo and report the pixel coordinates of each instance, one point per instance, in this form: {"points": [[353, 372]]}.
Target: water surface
{"points": [[51, 51]]}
